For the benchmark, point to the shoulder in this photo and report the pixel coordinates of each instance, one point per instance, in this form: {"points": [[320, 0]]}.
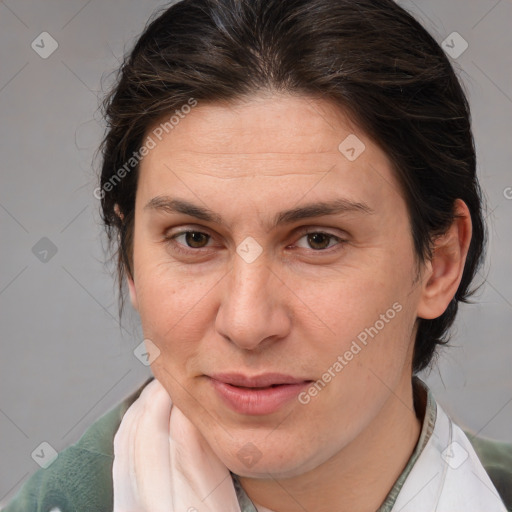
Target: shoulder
{"points": [[496, 458], [81, 476]]}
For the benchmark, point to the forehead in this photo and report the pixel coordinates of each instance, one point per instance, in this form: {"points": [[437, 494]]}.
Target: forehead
{"points": [[256, 124], [293, 143]]}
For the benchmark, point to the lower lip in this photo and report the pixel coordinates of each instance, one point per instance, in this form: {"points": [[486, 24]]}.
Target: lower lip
{"points": [[257, 401]]}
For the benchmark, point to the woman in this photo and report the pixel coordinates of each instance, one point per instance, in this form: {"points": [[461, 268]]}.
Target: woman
{"points": [[291, 191]]}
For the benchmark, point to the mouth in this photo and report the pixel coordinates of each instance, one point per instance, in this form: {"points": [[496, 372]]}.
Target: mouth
{"points": [[265, 380], [260, 387], [257, 395]]}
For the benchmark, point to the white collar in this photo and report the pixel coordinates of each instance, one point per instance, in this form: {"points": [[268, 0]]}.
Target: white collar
{"points": [[448, 475]]}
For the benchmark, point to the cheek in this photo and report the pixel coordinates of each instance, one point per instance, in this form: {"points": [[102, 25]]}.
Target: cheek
{"points": [[350, 297], [367, 313], [171, 310], [166, 290]]}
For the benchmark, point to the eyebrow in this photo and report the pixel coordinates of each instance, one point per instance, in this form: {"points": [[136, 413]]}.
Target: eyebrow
{"points": [[318, 209]]}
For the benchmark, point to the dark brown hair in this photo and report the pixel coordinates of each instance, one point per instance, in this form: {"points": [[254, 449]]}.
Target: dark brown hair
{"points": [[370, 57]]}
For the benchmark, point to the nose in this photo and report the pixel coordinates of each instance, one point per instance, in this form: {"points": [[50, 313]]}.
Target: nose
{"points": [[253, 310]]}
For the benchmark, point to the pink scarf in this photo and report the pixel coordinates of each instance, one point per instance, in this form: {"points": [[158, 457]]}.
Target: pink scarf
{"points": [[162, 463]]}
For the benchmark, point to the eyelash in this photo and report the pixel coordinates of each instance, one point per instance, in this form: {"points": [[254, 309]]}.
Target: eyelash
{"points": [[176, 246]]}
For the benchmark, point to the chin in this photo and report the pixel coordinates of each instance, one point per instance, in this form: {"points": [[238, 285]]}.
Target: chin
{"points": [[271, 469], [250, 462]]}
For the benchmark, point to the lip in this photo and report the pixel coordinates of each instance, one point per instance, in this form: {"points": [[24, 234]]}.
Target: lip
{"points": [[253, 395], [256, 381]]}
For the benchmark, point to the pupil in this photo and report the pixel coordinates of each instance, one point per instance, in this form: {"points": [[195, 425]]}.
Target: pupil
{"points": [[195, 239], [316, 239]]}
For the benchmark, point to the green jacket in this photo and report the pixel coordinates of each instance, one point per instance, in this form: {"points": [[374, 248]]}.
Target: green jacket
{"points": [[80, 479]]}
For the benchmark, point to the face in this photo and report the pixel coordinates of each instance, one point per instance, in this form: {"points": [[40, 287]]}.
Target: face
{"points": [[263, 246]]}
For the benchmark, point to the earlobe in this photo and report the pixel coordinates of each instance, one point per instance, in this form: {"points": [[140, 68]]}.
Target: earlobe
{"points": [[133, 293], [445, 270]]}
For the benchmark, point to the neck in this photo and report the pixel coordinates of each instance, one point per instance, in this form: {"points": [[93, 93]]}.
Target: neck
{"points": [[357, 478]]}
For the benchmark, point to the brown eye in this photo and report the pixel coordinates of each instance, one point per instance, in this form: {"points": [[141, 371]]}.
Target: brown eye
{"points": [[196, 239], [189, 244], [319, 240]]}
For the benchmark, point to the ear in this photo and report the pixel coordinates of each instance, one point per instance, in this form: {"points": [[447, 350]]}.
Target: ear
{"points": [[131, 284], [133, 293], [118, 211], [444, 272]]}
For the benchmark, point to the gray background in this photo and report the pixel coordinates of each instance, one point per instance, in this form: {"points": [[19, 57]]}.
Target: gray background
{"points": [[65, 360]]}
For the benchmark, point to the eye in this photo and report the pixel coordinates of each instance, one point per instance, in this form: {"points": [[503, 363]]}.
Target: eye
{"points": [[319, 241], [190, 240]]}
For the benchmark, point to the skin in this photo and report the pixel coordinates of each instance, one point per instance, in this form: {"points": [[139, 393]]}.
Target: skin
{"points": [[297, 307]]}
